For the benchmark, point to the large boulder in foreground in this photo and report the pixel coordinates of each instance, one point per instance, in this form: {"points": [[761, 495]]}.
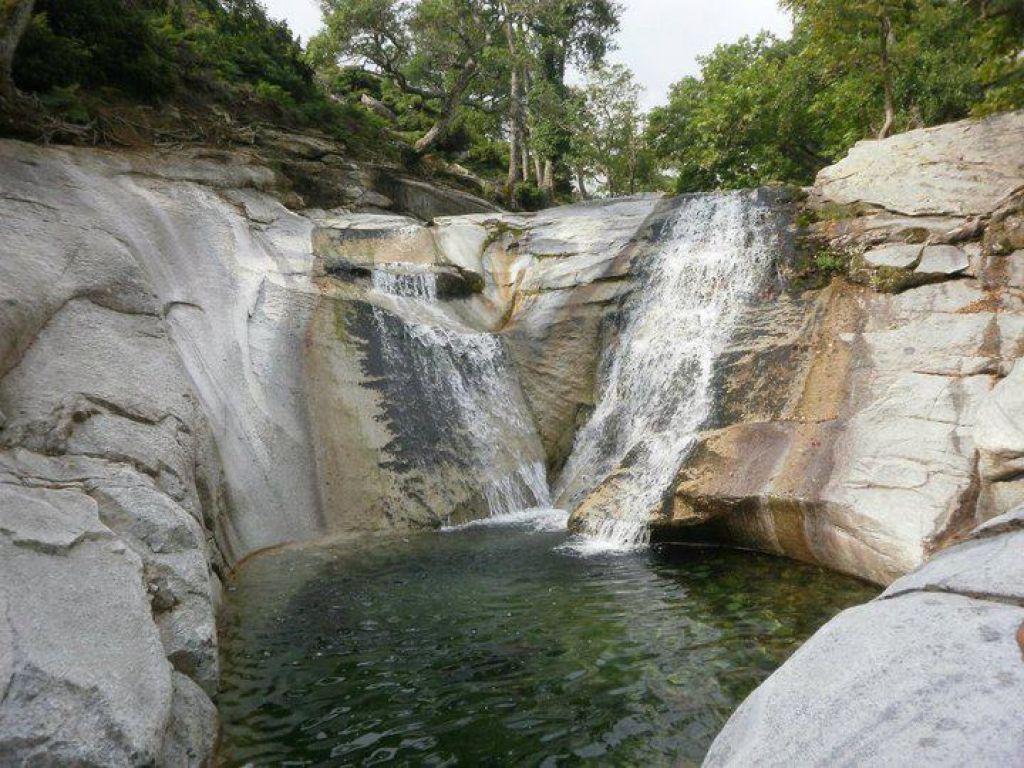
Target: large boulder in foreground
{"points": [[931, 672], [866, 425], [83, 677]]}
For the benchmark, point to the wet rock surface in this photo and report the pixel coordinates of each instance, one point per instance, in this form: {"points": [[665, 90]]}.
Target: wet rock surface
{"points": [[190, 372], [899, 437]]}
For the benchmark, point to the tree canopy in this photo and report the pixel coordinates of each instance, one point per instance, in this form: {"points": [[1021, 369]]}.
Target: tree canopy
{"points": [[520, 92], [765, 109]]}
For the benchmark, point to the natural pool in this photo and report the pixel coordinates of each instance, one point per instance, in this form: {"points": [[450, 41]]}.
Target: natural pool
{"points": [[491, 646]]}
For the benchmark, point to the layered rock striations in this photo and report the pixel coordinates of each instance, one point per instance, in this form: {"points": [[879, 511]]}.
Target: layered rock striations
{"points": [[928, 389], [867, 424]]}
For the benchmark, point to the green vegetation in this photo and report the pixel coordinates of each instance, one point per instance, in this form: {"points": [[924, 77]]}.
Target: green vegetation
{"points": [[84, 58], [481, 81], [765, 109], [609, 140], [479, 88]]}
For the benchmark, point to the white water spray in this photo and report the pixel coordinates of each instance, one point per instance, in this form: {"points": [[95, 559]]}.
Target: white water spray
{"points": [[414, 281], [656, 380], [467, 384]]}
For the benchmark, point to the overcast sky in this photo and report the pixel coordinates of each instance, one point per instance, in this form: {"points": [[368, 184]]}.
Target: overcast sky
{"points": [[660, 39]]}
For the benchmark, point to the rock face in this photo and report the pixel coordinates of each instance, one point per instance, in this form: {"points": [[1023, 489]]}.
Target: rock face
{"points": [[963, 169], [933, 669], [152, 317], [901, 432], [190, 372], [863, 428], [462, 352]]}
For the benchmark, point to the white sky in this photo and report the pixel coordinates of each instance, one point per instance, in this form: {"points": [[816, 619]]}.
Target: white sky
{"points": [[660, 39]]}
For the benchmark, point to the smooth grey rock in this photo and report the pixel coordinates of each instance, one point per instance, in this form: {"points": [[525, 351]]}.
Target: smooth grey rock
{"points": [[171, 545], [991, 567], [426, 201], [122, 257], [82, 668], [1011, 521], [930, 678], [138, 296], [461, 243], [896, 256], [942, 260], [962, 169], [192, 731], [999, 436]]}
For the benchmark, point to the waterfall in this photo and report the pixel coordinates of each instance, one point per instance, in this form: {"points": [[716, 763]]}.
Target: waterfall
{"points": [[414, 281], [463, 387], [655, 381]]}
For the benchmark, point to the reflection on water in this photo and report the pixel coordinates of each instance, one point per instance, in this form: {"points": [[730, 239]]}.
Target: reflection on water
{"points": [[486, 646]]}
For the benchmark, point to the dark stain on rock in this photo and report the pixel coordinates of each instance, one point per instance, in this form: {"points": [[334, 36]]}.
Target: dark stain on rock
{"points": [[425, 427]]}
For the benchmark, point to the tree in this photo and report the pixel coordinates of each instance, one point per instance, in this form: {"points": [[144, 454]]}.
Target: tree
{"points": [[748, 118], [14, 19], [431, 49], [765, 110], [608, 139], [859, 31], [542, 37]]}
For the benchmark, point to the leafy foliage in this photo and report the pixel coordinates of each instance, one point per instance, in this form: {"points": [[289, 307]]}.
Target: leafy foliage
{"points": [[212, 52], [765, 109], [477, 79], [608, 140], [480, 85]]}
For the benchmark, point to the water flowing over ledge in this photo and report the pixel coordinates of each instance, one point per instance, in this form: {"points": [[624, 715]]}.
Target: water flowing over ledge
{"points": [[464, 384], [655, 379]]}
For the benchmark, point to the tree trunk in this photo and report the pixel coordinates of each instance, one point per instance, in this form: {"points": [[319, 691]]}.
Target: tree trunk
{"points": [[524, 131], [14, 18], [885, 39], [448, 106], [515, 110], [538, 169], [548, 183], [581, 184], [513, 131]]}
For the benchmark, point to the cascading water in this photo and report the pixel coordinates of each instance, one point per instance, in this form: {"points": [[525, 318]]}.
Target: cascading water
{"points": [[655, 391], [413, 281], [467, 390]]}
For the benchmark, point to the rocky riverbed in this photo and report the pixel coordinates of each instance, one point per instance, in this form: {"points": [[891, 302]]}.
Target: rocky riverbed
{"points": [[193, 367]]}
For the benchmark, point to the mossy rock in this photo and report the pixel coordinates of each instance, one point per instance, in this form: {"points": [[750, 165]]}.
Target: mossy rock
{"points": [[497, 230], [815, 261], [889, 279], [837, 211], [459, 285]]}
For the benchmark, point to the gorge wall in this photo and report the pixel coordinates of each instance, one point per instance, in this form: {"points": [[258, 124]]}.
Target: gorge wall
{"points": [[157, 314], [869, 423], [190, 371]]}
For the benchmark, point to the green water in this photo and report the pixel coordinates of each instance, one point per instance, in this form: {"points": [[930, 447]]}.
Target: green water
{"points": [[488, 646]]}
